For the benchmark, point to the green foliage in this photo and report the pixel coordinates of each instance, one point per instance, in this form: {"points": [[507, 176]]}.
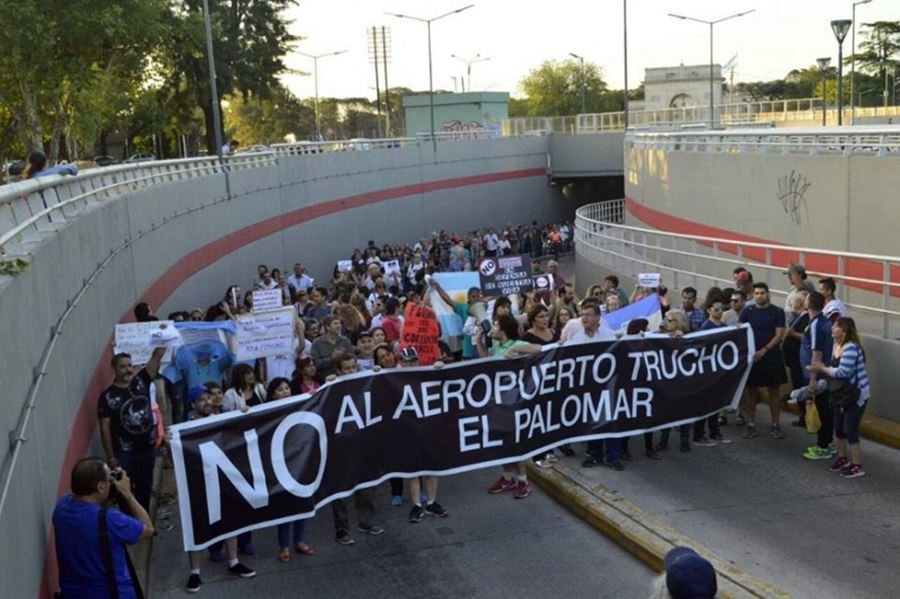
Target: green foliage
{"points": [[13, 266], [554, 88], [256, 120]]}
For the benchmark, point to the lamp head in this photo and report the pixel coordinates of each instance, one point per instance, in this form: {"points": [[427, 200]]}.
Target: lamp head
{"points": [[840, 28], [823, 63]]}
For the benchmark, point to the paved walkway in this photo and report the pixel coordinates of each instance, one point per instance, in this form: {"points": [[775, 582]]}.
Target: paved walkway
{"points": [[787, 520], [489, 546]]}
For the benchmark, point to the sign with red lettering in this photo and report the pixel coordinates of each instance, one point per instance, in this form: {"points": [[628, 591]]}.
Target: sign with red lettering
{"points": [[421, 331]]}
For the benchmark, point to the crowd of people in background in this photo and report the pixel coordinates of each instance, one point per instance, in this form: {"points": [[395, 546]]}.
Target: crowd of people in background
{"points": [[354, 321]]}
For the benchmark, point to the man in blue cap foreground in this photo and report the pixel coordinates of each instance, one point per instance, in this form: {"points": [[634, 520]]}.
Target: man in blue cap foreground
{"points": [[688, 576]]}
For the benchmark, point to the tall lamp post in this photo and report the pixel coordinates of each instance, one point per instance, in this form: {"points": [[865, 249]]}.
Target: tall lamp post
{"points": [[213, 91], [625, 48], [853, 61], [428, 23], [840, 28], [581, 59], [823, 64], [712, 100], [316, 58], [469, 62]]}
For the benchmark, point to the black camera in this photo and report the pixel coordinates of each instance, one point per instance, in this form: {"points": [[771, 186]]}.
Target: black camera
{"points": [[115, 474]]}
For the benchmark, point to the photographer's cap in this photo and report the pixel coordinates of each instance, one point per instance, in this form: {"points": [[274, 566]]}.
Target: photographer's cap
{"points": [[689, 576], [409, 354]]}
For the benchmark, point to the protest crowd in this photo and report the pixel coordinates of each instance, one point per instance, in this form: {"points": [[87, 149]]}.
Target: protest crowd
{"points": [[356, 320]]}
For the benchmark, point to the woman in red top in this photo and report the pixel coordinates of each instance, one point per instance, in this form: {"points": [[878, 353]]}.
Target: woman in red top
{"points": [[393, 322], [304, 379]]}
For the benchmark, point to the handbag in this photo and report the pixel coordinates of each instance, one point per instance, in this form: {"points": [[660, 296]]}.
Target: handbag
{"points": [[813, 422], [842, 393]]}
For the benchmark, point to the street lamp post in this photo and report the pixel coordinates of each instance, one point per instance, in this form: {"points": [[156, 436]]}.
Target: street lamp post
{"points": [[823, 64], [213, 90], [712, 100], [316, 58], [625, 47], [853, 61], [581, 59], [469, 62], [428, 23], [840, 28]]}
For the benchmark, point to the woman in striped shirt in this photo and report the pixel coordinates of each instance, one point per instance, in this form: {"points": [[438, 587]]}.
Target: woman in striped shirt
{"points": [[848, 363]]}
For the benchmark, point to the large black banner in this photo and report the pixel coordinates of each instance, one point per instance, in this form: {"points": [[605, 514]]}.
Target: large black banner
{"points": [[286, 459]]}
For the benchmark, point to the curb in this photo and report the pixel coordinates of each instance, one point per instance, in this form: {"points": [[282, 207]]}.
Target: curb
{"points": [[641, 534], [872, 427]]}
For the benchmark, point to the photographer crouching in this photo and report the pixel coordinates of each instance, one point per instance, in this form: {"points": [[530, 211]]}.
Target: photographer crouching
{"points": [[92, 528]]}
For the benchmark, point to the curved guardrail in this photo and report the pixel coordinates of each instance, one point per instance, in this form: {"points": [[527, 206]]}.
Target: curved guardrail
{"points": [[600, 233]]}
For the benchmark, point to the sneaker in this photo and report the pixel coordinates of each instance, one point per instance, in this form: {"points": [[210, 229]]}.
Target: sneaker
{"points": [[241, 570], [370, 529], [616, 465], [750, 432], [722, 440], [651, 453], [815, 452], [436, 509], [839, 464], [590, 462], [722, 420], [567, 450], [416, 514], [502, 485], [685, 447], [775, 431], [704, 442], [740, 420], [523, 489], [853, 471], [799, 422], [544, 463], [216, 556], [343, 538], [552, 457], [396, 500], [247, 549], [193, 583]]}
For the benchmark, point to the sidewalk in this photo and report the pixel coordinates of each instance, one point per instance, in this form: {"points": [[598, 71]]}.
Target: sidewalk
{"points": [[759, 505]]}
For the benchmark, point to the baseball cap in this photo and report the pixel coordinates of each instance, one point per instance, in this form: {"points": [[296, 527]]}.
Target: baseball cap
{"points": [[689, 576], [196, 392], [409, 354]]}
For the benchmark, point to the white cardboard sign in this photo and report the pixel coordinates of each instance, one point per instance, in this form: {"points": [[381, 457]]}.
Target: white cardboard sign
{"points": [[266, 334], [345, 265], [266, 300], [649, 279], [139, 339]]}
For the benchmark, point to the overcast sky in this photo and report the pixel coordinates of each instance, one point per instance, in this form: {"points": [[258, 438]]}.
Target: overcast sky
{"points": [[518, 35]]}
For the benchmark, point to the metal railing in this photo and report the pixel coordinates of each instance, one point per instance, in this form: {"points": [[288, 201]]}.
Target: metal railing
{"points": [[737, 114], [860, 140], [33, 209], [366, 145], [869, 280]]}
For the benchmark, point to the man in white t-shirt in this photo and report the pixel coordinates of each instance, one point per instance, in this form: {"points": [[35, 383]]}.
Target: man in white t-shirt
{"points": [[491, 242], [591, 329], [575, 326], [300, 280], [834, 308]]}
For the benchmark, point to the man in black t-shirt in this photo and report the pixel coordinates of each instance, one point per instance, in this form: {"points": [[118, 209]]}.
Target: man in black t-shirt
{"points": [[126, 422]]}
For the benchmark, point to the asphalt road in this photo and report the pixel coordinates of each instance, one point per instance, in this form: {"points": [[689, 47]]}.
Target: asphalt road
{"points": [[489, 546]]}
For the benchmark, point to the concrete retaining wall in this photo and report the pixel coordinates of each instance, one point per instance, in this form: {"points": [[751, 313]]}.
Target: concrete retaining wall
{"points": [[179, 246]]}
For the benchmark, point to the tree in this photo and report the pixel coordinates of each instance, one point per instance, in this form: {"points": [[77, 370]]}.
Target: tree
{"points": [[880, 54], [255, 120], [554, 89]]}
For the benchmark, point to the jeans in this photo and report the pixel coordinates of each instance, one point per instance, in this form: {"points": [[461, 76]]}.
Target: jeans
{"points": [[684, 432], [284, 530], [365, 510], [139, 467], [607, 450], [826, 432], [846, 422]]}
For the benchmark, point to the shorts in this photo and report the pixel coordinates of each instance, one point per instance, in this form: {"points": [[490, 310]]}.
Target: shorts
{"points": [[768, 372]]}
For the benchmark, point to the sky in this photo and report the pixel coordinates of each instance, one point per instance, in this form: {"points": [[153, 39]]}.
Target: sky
{"points": [[518, 35]]}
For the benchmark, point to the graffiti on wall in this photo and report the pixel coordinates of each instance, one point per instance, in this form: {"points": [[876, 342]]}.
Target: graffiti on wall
{"points": [[457, 125], [792, 194]]}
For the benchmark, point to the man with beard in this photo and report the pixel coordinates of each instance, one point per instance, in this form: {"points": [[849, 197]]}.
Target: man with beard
{"points": [[126, 422]]}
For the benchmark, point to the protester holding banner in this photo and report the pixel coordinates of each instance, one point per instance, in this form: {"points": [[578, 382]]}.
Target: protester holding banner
{"points": [[203, 405], [676, 325], [304, 379], [506, 344], [245, 391], [330, 346]]}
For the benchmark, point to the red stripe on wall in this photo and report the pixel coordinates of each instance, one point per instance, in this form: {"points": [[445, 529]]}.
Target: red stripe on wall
{"points": [[86, 421], [823, 263]]}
